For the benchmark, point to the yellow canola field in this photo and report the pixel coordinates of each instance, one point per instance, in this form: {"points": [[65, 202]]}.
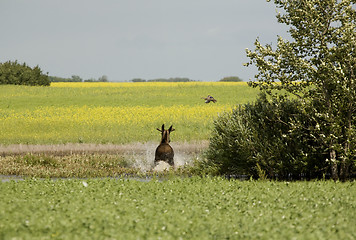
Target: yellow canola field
{"points": [[106, 124], [114, 115], [114, 112]]}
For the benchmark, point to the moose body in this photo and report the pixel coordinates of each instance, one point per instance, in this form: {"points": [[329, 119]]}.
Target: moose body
{"points": [[164, 152]]}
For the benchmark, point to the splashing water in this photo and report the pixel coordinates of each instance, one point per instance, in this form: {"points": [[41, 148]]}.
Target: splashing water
{"points": [[161, 166], [144, 159]]}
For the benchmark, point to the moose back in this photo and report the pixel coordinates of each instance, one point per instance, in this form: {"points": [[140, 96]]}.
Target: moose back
{"points": [[164, 152]]}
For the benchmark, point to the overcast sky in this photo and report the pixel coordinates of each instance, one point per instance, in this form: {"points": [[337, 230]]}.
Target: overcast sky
{"points": [[125, 39]]}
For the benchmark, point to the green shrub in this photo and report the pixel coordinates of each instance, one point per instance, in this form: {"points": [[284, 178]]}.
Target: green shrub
{"points": [[260, 138], [21, 74], [229, 148]]}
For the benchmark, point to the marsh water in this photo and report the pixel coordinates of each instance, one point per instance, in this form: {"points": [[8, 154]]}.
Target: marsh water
{"points": [[141, 155]]}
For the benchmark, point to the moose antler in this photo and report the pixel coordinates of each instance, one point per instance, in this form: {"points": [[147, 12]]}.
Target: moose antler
{"points": [[171, 129], [161, 130]]}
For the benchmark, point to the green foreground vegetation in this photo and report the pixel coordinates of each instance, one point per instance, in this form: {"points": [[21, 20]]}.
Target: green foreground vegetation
{"points": [[190, 208]]}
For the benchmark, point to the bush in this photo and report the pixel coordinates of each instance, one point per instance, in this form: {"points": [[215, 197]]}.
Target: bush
{"points": [[21, 74], [260, 137]]}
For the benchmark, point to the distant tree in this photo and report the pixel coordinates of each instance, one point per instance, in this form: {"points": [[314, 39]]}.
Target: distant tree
{"points": [[103, 78], [60, 79], [177, 79], [21, 74], [90, 80], [138, 80], [76, 78], [231, 79]]}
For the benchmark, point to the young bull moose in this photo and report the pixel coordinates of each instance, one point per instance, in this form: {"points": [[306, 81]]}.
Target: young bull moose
{"points": [[164, 152]]}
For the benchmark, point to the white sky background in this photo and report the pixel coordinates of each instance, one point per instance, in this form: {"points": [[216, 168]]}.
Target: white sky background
{"points": [[125, 39]]}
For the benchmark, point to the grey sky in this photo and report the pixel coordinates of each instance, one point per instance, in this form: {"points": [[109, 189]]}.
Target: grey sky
{"points": [[125, 39]]}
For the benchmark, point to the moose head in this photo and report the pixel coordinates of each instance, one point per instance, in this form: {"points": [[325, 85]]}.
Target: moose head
{"points": [[166, 134]]}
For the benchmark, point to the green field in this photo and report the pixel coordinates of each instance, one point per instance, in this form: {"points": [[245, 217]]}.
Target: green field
{"points": [[113, 112], [190, 208]]}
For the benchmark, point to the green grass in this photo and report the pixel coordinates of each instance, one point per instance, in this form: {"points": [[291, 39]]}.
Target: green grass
{"points": [[190, 208], [144, 94]]}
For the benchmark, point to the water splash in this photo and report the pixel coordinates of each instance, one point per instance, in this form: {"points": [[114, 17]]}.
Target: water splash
{"points": [[144, 159]]}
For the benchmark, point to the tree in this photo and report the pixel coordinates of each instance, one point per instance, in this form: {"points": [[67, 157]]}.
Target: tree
{"points": [[103, 78], [318, 68], [176, 79], [76, 78], [231, 79], [21, 74], [138, 80]]}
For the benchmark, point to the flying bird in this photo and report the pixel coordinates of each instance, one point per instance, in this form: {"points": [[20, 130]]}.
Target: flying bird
{"points": [[209, 99]]}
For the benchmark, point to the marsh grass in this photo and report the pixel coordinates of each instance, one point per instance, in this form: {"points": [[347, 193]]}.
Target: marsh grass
{"points": [[80, 166], [32, 160], [92, 160], [85, 166]]}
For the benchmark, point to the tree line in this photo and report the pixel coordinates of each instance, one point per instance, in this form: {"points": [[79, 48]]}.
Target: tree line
{"points": [[178, 79], [12, 72], [76, 78]]}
